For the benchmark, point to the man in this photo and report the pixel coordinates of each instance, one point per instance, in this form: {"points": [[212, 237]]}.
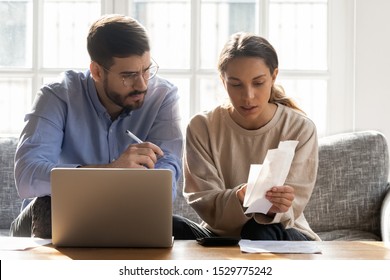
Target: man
{"points": [[81, 120]]}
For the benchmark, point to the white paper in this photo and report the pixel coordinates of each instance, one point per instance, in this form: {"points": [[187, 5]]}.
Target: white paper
{"points": [[280, 247], [273, 172], [21, 243]]}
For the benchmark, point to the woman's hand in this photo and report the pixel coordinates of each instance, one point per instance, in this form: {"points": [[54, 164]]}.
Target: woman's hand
{"points": [[240, 193], [281, 198]]}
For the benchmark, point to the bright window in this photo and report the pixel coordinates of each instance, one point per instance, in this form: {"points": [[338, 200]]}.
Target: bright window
{"points": [[38, 40], [65, 28], [41, 38], [187, 40]]}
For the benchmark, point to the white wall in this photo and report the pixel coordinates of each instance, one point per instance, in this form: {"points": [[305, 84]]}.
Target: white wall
{"points": [[372, 66]]}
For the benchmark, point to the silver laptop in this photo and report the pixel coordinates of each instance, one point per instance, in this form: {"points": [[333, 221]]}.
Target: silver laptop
{"points": [[104, 207]]}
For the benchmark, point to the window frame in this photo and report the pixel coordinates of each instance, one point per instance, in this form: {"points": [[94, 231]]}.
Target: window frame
{"points": [[341, 59], [340, 111]]}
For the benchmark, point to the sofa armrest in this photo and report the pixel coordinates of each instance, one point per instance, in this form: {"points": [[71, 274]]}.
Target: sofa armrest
{"points": [[385, 216]]}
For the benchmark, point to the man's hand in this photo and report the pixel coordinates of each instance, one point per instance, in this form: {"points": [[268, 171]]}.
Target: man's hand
{"points": [[142, 155]]}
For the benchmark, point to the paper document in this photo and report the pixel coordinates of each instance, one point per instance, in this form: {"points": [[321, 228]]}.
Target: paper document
{"points": [[262, 177], [281, 247], [21, 243]]}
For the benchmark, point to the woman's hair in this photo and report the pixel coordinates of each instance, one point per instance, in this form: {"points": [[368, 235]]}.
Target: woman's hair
{"points": [[250, 45], [116, 36]]}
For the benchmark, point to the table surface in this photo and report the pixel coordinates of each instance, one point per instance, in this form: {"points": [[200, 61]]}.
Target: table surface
{"points": [[190, 250]]}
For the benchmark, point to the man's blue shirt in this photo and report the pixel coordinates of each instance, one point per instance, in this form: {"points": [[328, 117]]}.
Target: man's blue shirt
{"points": [[69, 127]]}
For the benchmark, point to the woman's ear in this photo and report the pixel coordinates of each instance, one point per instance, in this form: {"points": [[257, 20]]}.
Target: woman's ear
{"points": [[275, 74], [223, 80]]}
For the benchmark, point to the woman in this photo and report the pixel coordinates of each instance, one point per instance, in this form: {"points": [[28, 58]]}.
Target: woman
{"points": [[223, 143]]}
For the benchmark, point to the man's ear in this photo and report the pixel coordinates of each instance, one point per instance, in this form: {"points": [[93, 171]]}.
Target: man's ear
{"points": [[96, 71]]}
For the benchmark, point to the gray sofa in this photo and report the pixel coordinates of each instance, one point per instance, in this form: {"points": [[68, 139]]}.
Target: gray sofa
{"points": [[351, 199], [10, 202]]}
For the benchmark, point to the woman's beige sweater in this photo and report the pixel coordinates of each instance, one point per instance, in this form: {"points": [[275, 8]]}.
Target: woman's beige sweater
{"points": [[217, 160]]}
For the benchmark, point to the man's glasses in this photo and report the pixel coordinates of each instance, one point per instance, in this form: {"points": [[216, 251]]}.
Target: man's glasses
{"points": [[129, 78]]}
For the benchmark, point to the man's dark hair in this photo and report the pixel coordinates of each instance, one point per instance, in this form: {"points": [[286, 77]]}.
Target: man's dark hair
{"points": [[116, 36]]}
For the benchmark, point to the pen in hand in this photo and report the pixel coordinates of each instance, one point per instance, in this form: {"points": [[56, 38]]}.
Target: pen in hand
{"points": [[136, 139], [132, 136]]}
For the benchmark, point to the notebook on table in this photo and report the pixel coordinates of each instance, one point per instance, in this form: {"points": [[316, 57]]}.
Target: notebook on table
{"points": [[104, 207]]}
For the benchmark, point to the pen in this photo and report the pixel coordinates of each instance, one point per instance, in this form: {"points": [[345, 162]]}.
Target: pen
{"points": [[136, 139], [132, 136]]}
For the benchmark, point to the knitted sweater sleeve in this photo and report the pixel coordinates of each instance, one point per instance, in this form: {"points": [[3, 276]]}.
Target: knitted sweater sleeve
{"points": [[204, 186]]}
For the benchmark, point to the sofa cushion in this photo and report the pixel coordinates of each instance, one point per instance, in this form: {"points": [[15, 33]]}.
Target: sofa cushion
{"points": [[351, 183], [180, 206], [10, 202]]}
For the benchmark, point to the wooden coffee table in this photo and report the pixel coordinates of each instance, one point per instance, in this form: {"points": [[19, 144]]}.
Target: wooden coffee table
{"points": [[190, 250]]}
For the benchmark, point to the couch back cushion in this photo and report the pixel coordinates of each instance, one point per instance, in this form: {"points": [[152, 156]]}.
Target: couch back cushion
{"points": [[10, 202], [351, 182]]}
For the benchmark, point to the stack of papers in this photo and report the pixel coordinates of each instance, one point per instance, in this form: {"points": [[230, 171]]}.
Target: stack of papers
{"points": [[279, 247]]}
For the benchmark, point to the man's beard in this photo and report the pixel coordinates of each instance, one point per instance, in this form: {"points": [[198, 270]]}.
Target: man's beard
{"points": [[120, 99]]}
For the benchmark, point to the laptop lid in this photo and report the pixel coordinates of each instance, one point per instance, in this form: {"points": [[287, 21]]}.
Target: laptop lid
{"points": [[111, 207]]}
